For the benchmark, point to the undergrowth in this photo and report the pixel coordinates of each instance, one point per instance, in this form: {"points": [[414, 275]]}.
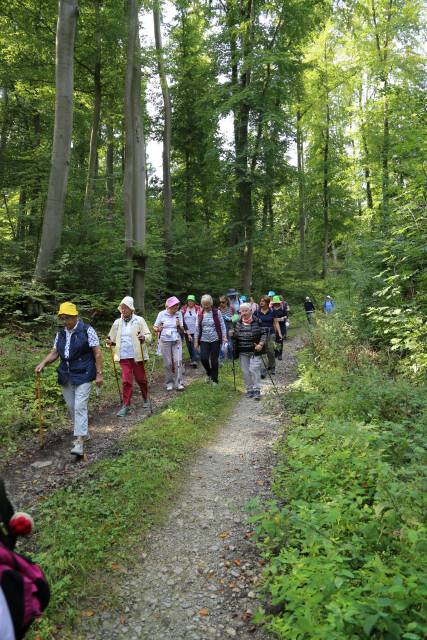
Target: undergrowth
{"points": [[345, 539]]}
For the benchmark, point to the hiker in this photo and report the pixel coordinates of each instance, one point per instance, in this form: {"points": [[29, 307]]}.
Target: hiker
{"points": [[309, 309], [281, 308], [77, 346], [268, 319], [233, 298], [227, 314], [210, 334], [24, 591], [328, 305], [249, 343], [169, 327], [189, 315], [129, 335]]}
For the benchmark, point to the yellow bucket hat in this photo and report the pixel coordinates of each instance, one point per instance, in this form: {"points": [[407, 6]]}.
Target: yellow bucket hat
{"points": [[67, 309]]}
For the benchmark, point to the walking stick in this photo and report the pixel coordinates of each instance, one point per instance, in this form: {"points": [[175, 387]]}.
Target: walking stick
{"points": [[40, 412], [234, 374], [116, 376], [148, 386]]}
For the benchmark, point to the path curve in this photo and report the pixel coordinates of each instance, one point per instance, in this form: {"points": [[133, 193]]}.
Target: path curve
{"points": [[198, 576]]}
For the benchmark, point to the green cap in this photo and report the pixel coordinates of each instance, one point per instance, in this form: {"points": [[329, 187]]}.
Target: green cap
{"points": [[276, 300], [191, 297], [234, 317]]}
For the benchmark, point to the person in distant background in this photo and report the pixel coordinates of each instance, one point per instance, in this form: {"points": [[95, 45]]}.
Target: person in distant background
{"points": [[328, 305], [309, 309]]}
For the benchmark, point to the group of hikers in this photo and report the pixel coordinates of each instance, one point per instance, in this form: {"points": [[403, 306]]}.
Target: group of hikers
{"points": [[309, 308], [237, 329]]}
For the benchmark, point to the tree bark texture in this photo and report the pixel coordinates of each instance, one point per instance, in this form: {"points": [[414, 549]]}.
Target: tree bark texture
{"points": [[301, 207], [61, 149], [326, 191], [167, 136]]}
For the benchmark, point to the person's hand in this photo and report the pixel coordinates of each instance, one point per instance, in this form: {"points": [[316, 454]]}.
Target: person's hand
{"points": [[108, 343], [141, 337], [190, 337], [231, 333], [258, 347], [39, 368], [196, 344], [99, 380], [224, 340]]}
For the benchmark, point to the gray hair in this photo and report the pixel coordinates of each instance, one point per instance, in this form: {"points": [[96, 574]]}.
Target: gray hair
{"points": [[246, 305], [206, 298]]}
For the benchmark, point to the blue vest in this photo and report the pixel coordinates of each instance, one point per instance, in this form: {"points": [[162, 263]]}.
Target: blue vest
{"points": [[80, 366]]}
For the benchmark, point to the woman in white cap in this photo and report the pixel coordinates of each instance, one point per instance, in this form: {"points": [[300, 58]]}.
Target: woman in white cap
{"points": [[129, 336], [169, 327]]}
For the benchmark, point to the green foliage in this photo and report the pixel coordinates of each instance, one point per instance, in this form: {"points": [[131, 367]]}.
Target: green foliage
{"points": [[346, 540], [86, 529]]}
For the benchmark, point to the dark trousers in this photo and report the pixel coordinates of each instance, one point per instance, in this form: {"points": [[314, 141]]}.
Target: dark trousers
{"points": [[209, 354]]}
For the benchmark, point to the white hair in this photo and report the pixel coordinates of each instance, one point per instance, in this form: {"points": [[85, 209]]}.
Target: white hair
{"points": [[245, 305], [207, 298]]}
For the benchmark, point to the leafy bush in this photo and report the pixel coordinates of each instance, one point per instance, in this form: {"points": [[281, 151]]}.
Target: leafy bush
{"points": [[346, 540]]}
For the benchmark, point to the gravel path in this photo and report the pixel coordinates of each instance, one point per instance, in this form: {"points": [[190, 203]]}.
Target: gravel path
{"points": [[198, 576]]}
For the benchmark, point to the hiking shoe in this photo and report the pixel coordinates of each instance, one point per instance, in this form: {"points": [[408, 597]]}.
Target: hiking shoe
{"points": [[169, 387], [257, 395], [208, 380], [214, 384], [279, 357], [87, 437], [249, 394], [146, 404], [180, 387], [272, 371], [77, 449], [262, 376], [121, 413], [194, 364]]}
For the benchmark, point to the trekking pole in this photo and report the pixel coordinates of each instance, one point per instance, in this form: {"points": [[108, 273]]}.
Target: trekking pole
{"points": [[272, 381], [234, 374], [116, 376], [40, 412], [148, 385]]}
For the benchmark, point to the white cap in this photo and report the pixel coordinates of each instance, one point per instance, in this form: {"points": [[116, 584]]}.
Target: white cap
{"points": [[128, 301]]}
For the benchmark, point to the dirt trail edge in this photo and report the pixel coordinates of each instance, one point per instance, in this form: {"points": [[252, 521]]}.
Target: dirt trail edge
{"points": [[198, 576]]}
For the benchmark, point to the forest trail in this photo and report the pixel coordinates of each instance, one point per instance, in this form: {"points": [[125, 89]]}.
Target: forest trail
{"points": [[33, 473], [198, 576]]}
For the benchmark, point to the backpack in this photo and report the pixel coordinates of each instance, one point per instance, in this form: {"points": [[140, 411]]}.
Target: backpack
{"points": [[23, 583]]}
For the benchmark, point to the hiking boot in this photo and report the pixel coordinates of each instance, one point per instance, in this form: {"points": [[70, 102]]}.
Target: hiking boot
{"points": [[263, 376], [214, 384], [87, 437], [272, 371], [121, 413], [208, 380], [77, 449], [257, 395], [169, 386], [146, 404], [279, 357], [249, 394], [180, 387], [194, 364]]}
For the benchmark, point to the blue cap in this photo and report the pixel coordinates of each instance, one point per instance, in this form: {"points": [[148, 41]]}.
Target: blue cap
{"points": [[271, 293], [242, 298]]}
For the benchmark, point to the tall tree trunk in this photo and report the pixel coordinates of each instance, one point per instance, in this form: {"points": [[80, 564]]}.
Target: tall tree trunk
{"points": [[134, 175], [96, 118], [301, 207], [109, 171], [61, 149], [326, 197], [167, 136], [21, 226], [385, 157]]}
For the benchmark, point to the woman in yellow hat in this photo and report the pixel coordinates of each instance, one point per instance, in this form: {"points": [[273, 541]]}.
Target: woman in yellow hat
{"points": [[77, 346]]}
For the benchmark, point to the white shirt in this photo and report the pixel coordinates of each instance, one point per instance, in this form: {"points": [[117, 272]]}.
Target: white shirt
{"points": [[169, 331], [126, 343], [6, 626], [190, 317]]}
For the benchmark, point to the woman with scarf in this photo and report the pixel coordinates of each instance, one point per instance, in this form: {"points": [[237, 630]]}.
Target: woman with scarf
{"points": [[210, 334]]}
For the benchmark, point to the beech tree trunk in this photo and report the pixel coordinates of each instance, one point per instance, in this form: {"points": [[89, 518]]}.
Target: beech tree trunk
{"points": [[61, 148], [135, 168], [301, 208], [326, 191], [167, 136], [96, 118]]}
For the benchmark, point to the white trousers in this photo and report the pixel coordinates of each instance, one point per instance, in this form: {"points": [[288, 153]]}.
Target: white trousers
{"points": [[251, 369], [172, 361], [76, 398]]}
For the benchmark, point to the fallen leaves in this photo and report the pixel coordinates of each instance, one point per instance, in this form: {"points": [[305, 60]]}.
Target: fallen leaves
{"points": [[88, 613], [204, 611]]}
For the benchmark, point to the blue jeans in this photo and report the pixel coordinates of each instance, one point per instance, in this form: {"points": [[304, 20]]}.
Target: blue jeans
{"points": [[194, 354]]}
